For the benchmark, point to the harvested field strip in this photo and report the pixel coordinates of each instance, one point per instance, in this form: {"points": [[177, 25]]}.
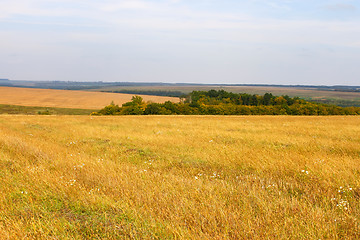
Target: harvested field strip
{"points": [[67, 98]]}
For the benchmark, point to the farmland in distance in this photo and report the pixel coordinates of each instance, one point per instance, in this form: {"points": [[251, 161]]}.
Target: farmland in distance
{"points": [[67, 98], [187, 177], [321, 95]]}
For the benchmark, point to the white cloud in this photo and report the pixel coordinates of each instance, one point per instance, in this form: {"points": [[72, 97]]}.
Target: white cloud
{"points": [[124, 5], [182, 21], [145, 34], [38, 8], [341, 7]]}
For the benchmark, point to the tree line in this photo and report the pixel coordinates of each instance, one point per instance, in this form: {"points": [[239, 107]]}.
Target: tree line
{"points": [[227, 103]]}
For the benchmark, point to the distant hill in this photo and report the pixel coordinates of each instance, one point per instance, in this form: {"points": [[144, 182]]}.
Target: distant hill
{"points": [[344, 96], [73, 85]]}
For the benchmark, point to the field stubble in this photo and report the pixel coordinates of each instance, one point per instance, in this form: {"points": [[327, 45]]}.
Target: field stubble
{"points": [[166, 177], [68, 98]]}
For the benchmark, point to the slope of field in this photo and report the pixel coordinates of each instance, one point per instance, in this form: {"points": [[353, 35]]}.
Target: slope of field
{"points": [[179, 177], [66, 98]]}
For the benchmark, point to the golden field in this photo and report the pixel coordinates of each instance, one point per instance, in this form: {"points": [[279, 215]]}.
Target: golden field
{"points": [[68, 98], [179, 177]]}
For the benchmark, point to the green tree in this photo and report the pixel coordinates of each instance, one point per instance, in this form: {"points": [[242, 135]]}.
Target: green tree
{"points": [[111, 109], [153, 109], [135, 107]]}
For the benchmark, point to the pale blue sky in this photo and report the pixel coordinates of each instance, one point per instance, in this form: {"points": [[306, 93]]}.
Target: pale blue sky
{"points": [[198, 41]]}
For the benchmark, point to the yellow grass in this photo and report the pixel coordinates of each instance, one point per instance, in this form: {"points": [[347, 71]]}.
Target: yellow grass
{"points": [[67, 98], [179, 177]]}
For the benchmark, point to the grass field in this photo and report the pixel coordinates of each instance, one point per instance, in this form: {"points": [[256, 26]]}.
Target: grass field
{"points": [[179, 177], [67, 98], [27, 110], [331, 97]]}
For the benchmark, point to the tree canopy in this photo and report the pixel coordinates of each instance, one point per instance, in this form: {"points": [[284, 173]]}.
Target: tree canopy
{"points": [[227, 103]]}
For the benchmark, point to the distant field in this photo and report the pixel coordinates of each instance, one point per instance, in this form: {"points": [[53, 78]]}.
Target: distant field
{"points": [[331, 97], [179, 177], [67, 98]]}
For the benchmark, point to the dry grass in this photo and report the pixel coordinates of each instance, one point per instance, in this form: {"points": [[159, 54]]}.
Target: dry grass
{"points": [[67, 98], [179, 177]]}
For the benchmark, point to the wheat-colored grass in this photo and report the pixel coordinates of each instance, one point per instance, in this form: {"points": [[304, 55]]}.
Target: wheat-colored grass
{"points": [[179, 177], [67, 98]]}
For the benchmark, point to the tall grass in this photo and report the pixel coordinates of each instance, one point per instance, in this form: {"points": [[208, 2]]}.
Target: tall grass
{"points": [[179, 177]]}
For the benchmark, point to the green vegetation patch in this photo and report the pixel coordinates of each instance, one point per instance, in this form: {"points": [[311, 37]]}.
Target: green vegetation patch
{"points": [[227, 103], [15, 109]]}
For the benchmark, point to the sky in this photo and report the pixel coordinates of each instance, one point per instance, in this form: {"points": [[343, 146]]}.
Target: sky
{"points": [[187, 41]]}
